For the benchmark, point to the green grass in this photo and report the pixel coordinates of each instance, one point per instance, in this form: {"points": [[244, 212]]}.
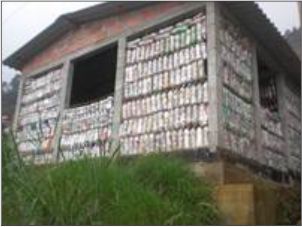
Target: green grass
{"points": [[150, 190]]}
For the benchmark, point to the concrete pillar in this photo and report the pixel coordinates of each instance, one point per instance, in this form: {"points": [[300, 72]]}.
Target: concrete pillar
{"points": [[64, 95], [214, 77], [18, 103], [68, 86], [118, 93]]}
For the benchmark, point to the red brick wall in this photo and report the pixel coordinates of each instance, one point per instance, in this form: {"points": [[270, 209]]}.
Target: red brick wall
{"points": [[96, 31]]}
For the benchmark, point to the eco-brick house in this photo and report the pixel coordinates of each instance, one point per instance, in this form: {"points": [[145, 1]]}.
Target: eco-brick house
{"points": [[213, 78]]}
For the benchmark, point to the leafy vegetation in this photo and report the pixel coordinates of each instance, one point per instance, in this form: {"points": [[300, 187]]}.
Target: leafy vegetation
{"points": [[9, 96], [150, 190], [289, 206]]}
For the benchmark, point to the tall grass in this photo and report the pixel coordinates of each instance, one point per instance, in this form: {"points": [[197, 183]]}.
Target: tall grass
{"points": [[172, 179], [151, 190]]}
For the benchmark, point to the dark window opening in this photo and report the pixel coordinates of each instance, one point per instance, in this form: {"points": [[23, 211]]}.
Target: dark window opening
{"points": [[267, 87], [94, 77]]}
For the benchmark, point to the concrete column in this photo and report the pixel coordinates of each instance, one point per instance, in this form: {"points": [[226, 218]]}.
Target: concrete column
{"points": [[256, 104], [214, 77], [118, 93], [18, 103], [64, 95], [68, 86]]}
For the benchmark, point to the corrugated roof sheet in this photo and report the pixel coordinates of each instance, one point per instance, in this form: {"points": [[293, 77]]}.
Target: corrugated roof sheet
{"points": [[250, 15]]}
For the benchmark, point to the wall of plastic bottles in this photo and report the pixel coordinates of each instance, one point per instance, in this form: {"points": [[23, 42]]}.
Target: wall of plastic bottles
{"points": [[39, 114], [165, 101], [273, 143], [87, 129], [293, 106], [236, 73]]}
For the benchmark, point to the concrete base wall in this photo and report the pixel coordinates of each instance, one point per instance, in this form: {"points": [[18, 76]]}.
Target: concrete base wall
{"points": [[244, 198], [236, 203]]}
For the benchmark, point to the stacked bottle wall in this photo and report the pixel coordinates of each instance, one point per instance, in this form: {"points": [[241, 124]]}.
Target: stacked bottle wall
{"points": [[87, 129], [38, 115], [165, 101], [237, 104], [293, 107], [273, 145]]}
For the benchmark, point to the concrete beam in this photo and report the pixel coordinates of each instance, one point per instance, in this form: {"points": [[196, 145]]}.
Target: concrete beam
{"points": [[165, 19], [45, 69]]}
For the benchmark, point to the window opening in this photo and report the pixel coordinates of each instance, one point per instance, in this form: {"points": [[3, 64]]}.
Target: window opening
{"points": [[272, 134], [268, 88], [94, 77]]}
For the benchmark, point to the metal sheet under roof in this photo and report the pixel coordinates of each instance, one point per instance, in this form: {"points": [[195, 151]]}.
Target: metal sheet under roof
{"points": [[249, 14]]}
